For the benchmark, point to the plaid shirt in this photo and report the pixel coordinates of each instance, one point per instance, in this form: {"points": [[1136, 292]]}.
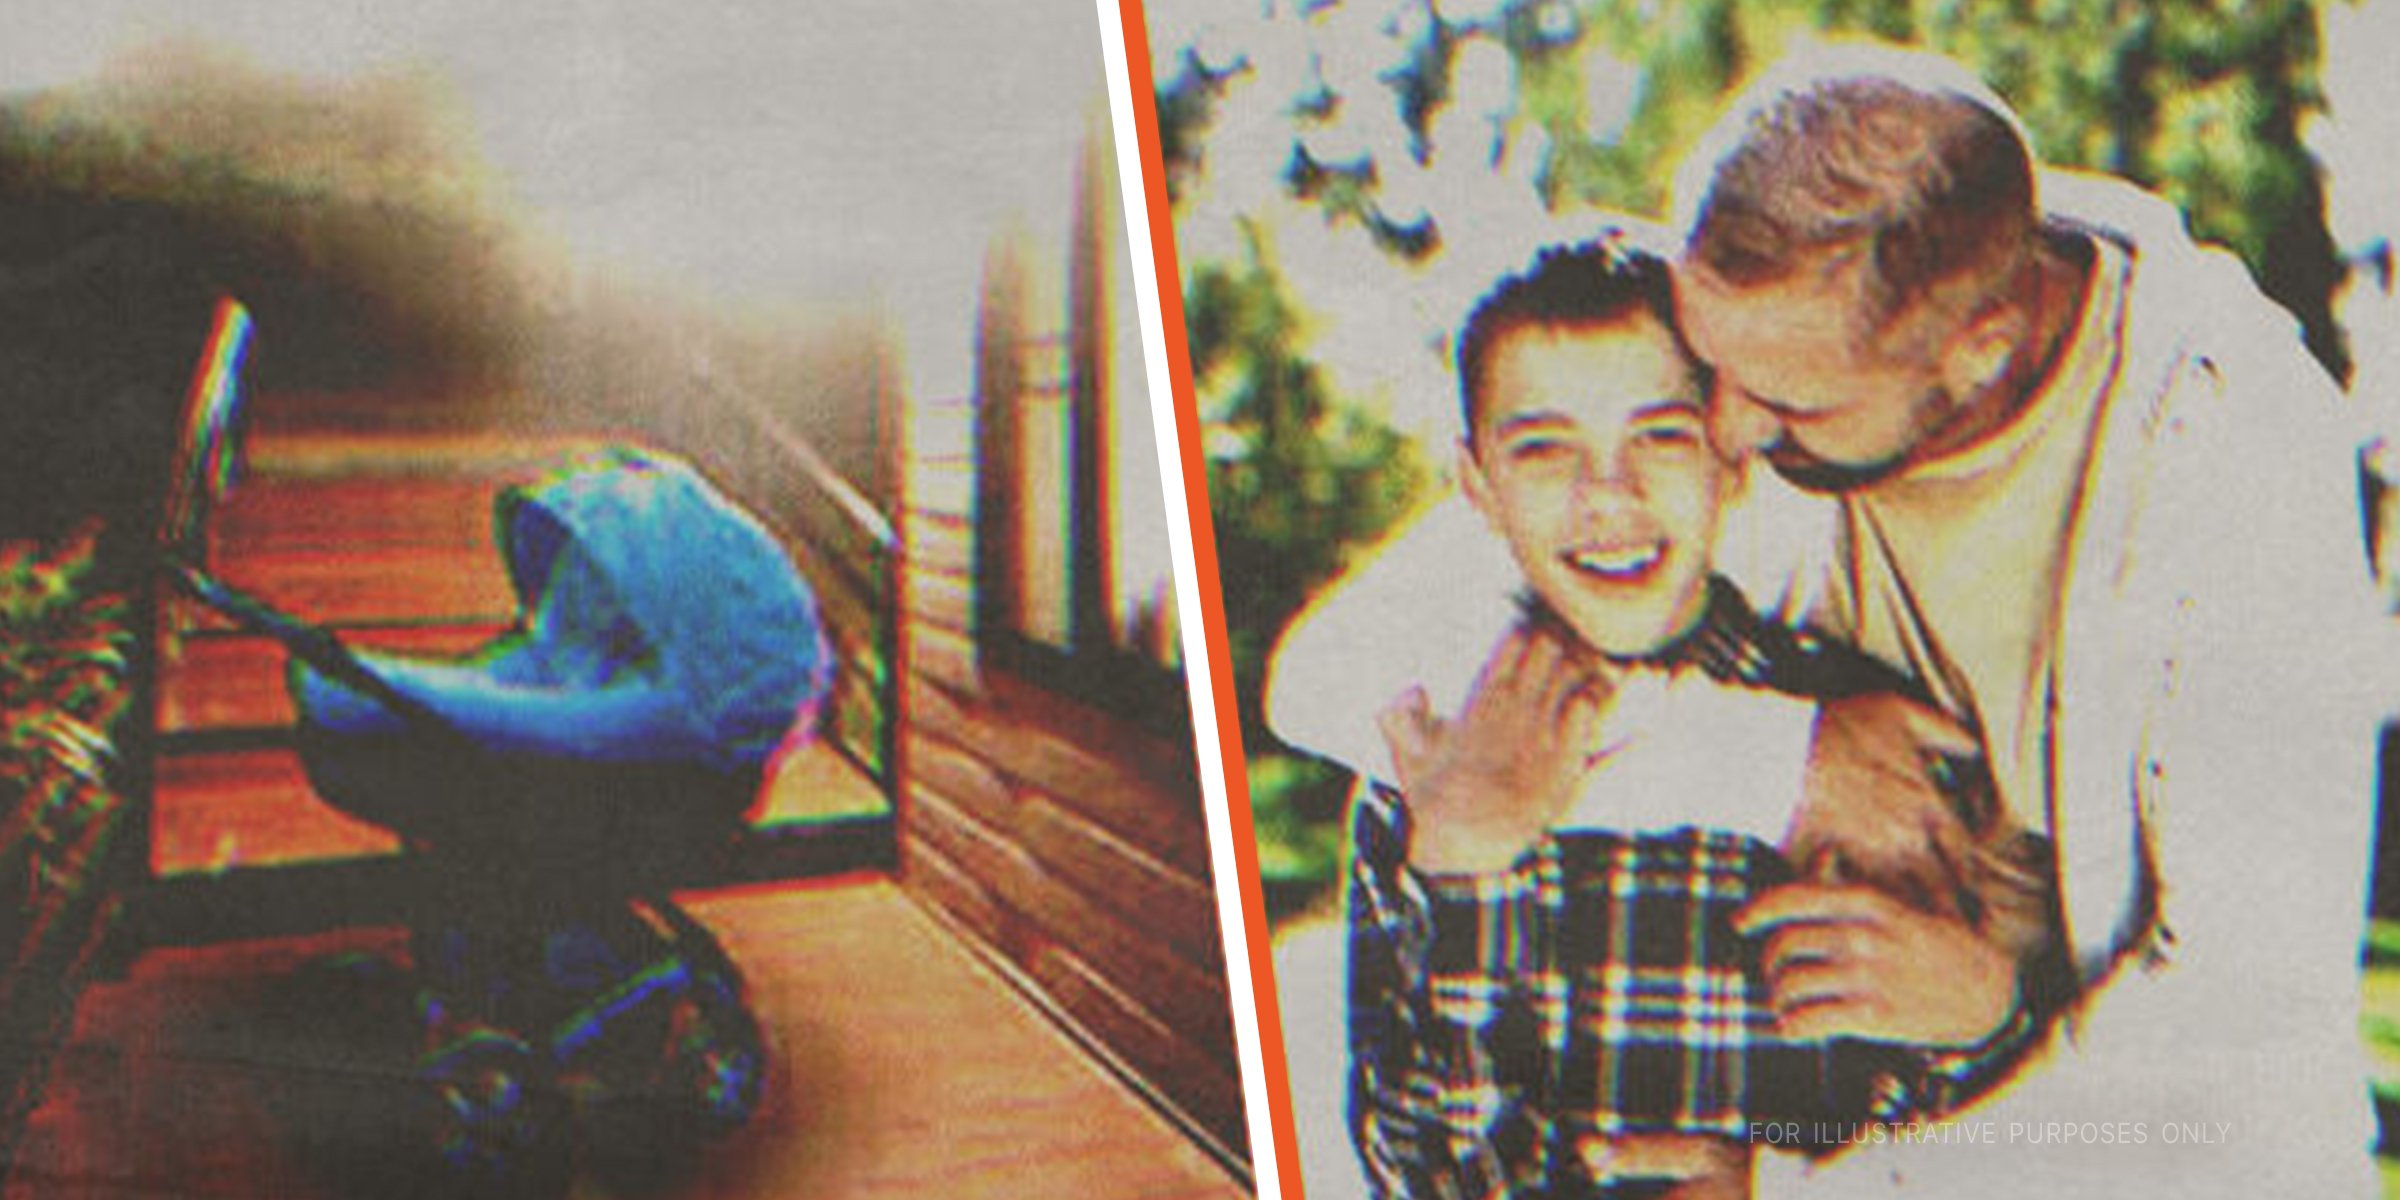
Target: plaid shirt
{"points": [[1503, 1023]]}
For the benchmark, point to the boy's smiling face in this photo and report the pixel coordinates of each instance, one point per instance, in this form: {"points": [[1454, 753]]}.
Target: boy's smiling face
{"points": [[1590, 457]]}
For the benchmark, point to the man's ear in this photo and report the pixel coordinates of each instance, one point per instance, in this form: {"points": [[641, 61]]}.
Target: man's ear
{"points": [[1477, 488], [1977, 356]]}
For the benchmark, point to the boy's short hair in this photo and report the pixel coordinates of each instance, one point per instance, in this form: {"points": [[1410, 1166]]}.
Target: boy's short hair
{"points": [[1588, 285]]}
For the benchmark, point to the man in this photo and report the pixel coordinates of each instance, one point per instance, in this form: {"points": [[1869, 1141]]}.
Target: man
{"points": [[2091, 494], [2094, 497]]}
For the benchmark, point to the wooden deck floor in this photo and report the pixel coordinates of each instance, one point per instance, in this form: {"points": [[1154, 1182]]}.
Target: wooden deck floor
{"points": [[902, 1068]]}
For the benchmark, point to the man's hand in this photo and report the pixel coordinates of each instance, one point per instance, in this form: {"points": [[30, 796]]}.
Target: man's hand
{"points": [[1483, 787], [1849, 961], [1873, 813], [1699, 1167]]}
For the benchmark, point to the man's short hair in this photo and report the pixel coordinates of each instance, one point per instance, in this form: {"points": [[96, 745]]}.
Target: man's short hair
{"points": [[1590, 285], [1902, 158]]}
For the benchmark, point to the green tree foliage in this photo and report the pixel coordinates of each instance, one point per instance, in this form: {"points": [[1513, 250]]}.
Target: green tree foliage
{"points": [[2200, 100], [1296, 480], [64, 694]]}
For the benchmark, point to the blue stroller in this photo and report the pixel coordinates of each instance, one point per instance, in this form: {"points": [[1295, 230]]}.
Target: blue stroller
{"points": [[556, 783]]}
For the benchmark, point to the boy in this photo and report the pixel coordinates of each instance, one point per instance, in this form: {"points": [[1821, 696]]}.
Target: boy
{"points": [[1546, 992]]}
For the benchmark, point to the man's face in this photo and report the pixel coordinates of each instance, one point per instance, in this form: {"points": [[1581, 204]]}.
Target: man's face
{"points": [[1591, 458], [1800, 379]]}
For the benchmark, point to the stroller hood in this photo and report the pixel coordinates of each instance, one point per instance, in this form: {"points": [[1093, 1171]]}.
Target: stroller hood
{"points": [[733, 631], [661, 624]]}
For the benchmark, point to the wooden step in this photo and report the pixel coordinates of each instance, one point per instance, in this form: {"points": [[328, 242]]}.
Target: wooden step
{"points": [[290, 516], [486, 454], [248, 808], [384, 586], [365, 550], [229, 682]]}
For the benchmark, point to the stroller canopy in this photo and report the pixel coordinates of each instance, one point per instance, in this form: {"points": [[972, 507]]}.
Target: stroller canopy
{"points": [[661, 624], [640, 537]]}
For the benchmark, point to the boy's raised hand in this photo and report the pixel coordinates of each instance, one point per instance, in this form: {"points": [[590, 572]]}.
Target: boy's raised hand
{"points": [[1483, 786]]}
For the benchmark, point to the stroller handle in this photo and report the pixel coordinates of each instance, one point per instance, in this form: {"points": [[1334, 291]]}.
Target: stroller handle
{"points": [[312, 644]]}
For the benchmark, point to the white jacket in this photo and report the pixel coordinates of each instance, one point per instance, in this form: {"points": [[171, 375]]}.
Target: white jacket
{"points": [[2221, 671]]}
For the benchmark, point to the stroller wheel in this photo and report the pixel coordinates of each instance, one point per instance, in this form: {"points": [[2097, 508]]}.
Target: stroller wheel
{"points": [[492, 1127], [702, 1082], [717, 1059]]}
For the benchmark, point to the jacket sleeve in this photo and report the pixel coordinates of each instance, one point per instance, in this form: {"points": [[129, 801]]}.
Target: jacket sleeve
{"points": [[2244, 634], [1423, 610]]}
